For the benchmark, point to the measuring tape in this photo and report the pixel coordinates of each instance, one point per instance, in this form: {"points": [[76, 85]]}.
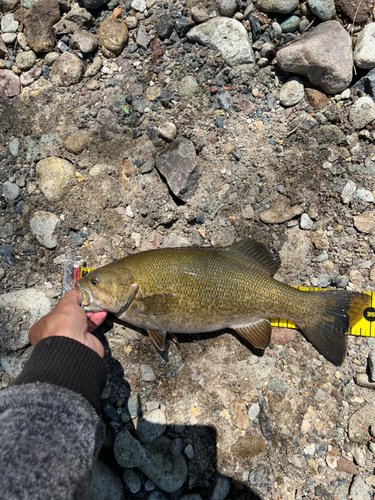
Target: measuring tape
{"points": [[363, 328]]}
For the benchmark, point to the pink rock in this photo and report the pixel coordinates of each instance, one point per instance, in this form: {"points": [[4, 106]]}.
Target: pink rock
{"points": [[283, 336], [323, 55], [120, 210], [9, 84], [246, 106]]}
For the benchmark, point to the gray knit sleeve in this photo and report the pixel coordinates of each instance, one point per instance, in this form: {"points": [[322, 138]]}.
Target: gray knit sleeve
{"points": [[49, 439]]}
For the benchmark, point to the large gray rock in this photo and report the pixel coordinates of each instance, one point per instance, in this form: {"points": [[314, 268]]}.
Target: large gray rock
{"points": [[38, 21], [105, 483], [364, 50], [323, 55], [178, 164], [324, 9], [76, 20], [227, 36], [55, 177], [151, 425], [43, 225]]}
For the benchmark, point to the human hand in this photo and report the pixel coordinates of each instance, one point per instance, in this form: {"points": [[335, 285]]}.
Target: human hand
{"points": [[68, 319]]}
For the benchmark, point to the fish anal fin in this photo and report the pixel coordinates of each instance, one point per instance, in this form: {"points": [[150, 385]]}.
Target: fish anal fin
{"points": [[157, 305], [158, 338], [257, 333], [258, 254]]}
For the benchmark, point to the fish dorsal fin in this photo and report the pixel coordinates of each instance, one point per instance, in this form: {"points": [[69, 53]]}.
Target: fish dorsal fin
{"points": [[257, 333], [158, 338], [258, 254]]}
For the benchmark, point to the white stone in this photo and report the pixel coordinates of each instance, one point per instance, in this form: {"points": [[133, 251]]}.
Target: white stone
{"points": [[43, 225], [139, 5], [292, 92], [364, 50], [362, 112], [348, 191], [167, 131], [306, 222]]}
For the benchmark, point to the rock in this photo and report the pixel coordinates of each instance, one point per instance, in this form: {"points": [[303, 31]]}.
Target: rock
{"points": [[290, 25], [348, 192], [221, 489], [371, 365], [324, 9], [227, 36], [280, 6], [55, 177], [143, 38], [165, 470], [84, 41], [280, 211], [345, 465], [51, 58], [132, 480], [43, 225], [9, 84], [222, 99], [113, 36], [6, 5], [359, 490], [9, 24], [77, 19], [147, 373], [188, 86], [329, 70], [167, 131], [105, 484], [283, 336], [25, 60], [94, 68], [295, 254], [14, 146], [277, 385], [292, 92], [199, 14], [128, 451], [262, 479], [248, 212], [94, 4], [360, 422], [362, 380], [191, 496], [362, 112], [78, 141], [240, 417], [306, 223], [15, 363], [38, 21], [139, 5], [10, 191], [227, 8], [364, 55], [67, 70], [151, 425], [365, 223], [178, 164], [133, 408], [3, 49], [164, 26], [30, 76], [364, 195], [316, 99], [287, 489], [32, 300]]}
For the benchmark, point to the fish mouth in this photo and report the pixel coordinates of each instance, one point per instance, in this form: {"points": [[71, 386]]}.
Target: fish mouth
{"points": [[87, 301]]}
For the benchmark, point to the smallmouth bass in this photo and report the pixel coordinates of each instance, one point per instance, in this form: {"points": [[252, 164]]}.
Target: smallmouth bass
{"points": [[196, 290]]}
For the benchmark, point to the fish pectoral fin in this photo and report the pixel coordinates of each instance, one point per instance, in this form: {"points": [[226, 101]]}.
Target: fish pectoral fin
{"points": [[257, 333], [157, 305], [158, 338]]}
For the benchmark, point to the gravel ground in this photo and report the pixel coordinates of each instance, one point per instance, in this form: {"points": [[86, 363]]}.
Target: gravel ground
{"points": [[87, 169]]}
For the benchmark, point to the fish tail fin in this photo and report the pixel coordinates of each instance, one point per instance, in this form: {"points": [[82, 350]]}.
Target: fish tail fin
{"points": [[335, 313]]}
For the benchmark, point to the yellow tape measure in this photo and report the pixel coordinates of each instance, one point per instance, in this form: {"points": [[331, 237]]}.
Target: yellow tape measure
{"points": [[363, 328]]}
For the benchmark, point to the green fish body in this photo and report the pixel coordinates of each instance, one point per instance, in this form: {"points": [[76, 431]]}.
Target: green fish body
{"points": [[194, 290]]}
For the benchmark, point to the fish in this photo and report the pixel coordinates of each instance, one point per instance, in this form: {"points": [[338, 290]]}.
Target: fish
{"points": [[204, 289]]}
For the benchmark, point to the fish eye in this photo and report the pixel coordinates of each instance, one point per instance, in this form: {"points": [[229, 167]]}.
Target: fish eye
{"points": [[94, 281]]}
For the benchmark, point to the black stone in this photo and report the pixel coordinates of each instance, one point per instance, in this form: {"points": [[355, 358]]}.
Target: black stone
{"points": [[182, 26], [255, 28], [200, 218], [19, 207], [7, 254], [129, 99], [164, 26], [77, 240]]}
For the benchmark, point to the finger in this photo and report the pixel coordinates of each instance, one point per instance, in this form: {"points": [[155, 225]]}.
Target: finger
{"points": [[72, 297], [95, 319]]}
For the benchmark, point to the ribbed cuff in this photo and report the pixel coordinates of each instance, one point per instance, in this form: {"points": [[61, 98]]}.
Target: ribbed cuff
{"points": [[67, 363]]}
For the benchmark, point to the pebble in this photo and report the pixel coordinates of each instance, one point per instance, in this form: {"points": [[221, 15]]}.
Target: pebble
{"points": [[84, 41], [132, 480], [364, 56], [222, 99], [9, 84], [7, 254], [113, 36], [364, 195], [14, 364], [51, 58], [78, 141], [360, 422], [133, 408], [227, 7], [105, 483], [227, 36], [32, 300], [365, 223], [38, 21], [221, 489], [167, 131], [306, 223], [43, 225], [323, 9], [10, 191], [262, 479], [77, 19], [9, 24], [280, 211], [67, 70], [177, 446], [189, 452], [188, 86], [362, 112], [348, 192], [277, 385], [164, 26], [14, 146], [290, 25], [359, 490], [371, 365], [199, 14], [77, 240], [25, 60], [178, 164], [191, 496], [128, 451], [94, 4], [55, 177], [147, 373], [156, 495]]}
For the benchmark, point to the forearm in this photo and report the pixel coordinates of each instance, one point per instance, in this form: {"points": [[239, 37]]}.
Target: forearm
{"points": [[50, 433]]}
